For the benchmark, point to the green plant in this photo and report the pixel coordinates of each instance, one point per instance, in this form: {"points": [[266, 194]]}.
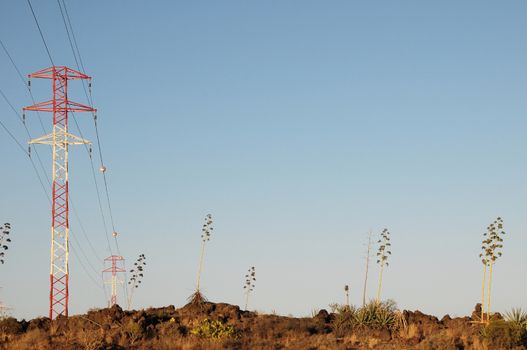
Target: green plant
{"points": [[248, 287], [214, 329], [518, 317], [379, 315], [491, 247], [382, 256], [373, 315]]}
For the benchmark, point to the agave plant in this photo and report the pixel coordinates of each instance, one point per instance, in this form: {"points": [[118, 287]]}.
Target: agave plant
{"points": [[491, 247], [137, 274], [248, 287], [4, 240], [517, 316], [382, 256], [379, 315]]}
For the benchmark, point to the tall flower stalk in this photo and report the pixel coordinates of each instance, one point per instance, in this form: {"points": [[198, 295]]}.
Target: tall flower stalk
{"points": [[368, 252], [206, 231], [5, 230], [136, 278], [248, 287], [382, 257], [491, 247]]}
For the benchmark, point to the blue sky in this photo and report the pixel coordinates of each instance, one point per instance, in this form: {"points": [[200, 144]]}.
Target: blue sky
{"points": [[299, 125]]}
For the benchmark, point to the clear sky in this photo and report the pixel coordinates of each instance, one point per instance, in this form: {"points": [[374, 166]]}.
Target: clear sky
{"points": [[299, 125]]}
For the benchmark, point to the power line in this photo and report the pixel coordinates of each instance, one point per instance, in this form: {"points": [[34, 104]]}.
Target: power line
{"points": [[74, 38], [23, 82], [68, 33], [49, 199], [21, 119], [27, 154], [40, 178], [36, 152], [75, 120], [40, 31], [90, 101], [78, 58]]}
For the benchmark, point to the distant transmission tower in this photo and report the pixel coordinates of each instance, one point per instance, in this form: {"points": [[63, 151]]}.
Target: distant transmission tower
{"points": [[59, 139], [114, 269]]}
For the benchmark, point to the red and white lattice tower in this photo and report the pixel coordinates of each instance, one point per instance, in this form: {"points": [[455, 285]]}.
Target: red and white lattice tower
{"points": [[59, 139], [114, 269]]}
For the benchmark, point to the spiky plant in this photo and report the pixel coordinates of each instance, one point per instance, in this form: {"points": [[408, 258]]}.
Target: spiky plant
{"points": [[518, 317], [382, 256], [250, 282], [137, 274], [368, 252], [4, 240], [206, 231], [492, 245]]}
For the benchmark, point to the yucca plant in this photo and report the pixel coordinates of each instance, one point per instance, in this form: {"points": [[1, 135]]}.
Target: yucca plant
{"points": [[491, 247], [250, 282], [4, 240], [382, 256], [137, 274], [206, 231]]}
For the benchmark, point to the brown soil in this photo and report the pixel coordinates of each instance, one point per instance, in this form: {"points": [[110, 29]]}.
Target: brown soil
{"points": [[171, 328]]}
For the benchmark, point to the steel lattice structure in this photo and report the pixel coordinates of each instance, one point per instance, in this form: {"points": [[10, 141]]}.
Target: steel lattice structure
{"points": [[114, 269], [59, 139]]}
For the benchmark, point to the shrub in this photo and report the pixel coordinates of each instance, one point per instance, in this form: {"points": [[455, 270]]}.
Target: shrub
{"points": [[502, 334], [215, 329], [133, 331], [10, 325]]}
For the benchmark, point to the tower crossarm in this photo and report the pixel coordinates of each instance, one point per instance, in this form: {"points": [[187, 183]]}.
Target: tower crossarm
{"points": [[52, 106], [60, 137], [59, 71]]}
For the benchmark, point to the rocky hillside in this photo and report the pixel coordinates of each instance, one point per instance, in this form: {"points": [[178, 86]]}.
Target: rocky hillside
{"points": [[222, 326]]}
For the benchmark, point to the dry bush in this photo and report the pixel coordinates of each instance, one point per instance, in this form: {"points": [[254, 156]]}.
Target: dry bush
{"points": [[501, 334], [90, 339], [10, 325], [35, 339], [132, 331]]}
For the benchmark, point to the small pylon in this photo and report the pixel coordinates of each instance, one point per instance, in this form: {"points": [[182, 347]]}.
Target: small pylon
{"points": [[114, 269]]}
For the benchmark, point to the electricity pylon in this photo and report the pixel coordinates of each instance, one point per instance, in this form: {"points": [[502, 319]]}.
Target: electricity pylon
{"points": [[114, 269], [59, 140]]}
